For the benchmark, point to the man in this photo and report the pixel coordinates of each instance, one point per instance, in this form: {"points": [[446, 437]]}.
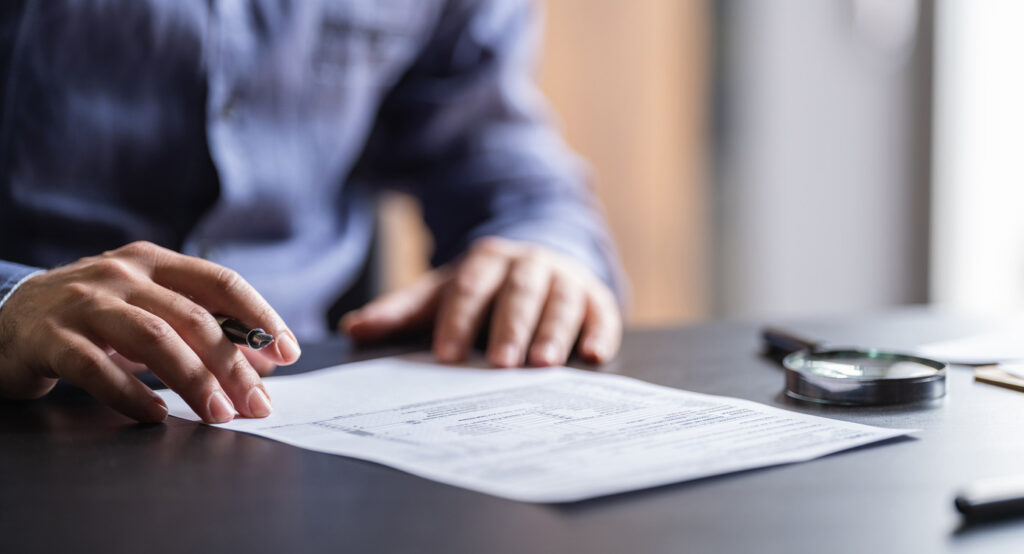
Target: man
{"points": [[147, 147]]}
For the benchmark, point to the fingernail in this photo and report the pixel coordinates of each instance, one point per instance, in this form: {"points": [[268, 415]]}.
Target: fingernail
{"points": [[448, 351], [288, 347], [508, 356], [259, 404], [220, 408], [157, 411]]}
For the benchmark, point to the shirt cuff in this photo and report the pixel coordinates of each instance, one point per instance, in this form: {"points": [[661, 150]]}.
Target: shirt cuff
{"points": [[13, 276]]}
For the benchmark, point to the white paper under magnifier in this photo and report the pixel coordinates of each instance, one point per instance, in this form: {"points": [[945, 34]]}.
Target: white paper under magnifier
{"points": [[997, 355], [999, 345], [536, 435]]}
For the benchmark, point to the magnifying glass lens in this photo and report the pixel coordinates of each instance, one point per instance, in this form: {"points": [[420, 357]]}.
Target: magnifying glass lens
{"points": [[863, 377], [866, 367]]}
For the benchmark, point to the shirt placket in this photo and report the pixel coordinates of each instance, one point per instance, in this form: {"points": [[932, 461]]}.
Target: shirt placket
{"points": [[222, 51]]}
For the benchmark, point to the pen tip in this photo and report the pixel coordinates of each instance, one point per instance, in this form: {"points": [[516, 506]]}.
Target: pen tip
{"points": [[260, 340]]}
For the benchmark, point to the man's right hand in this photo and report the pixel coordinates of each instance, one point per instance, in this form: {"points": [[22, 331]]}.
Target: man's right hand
{"points": [[91, 321]]}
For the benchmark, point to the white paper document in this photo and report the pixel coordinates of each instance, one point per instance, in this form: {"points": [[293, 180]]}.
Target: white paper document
{"points": [[999, 345], [537, 435]]}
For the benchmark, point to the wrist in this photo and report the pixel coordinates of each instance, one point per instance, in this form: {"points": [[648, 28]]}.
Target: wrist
{"points": [[13, 276], [16, 379]]}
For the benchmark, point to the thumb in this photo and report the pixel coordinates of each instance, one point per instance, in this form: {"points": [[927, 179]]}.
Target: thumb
{"points": [[396, 311]]}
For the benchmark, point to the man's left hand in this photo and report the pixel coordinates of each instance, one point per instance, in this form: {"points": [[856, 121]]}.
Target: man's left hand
{"points": [[540, 303]]}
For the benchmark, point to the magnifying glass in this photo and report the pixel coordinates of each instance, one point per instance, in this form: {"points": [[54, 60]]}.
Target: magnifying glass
{"points": [[853, 376]]}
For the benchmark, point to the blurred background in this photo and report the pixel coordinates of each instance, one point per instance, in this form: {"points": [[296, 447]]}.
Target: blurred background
{"points": [[776, 158]]}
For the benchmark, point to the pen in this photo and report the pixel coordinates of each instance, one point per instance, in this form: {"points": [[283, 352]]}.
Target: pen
{"points": [[240, 334], [992, 499]]}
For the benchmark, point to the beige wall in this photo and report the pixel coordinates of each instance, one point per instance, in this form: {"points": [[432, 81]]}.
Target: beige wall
{"points": [[627, 80]]}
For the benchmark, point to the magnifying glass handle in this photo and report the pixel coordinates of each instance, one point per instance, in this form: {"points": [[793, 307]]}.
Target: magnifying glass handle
{"points": [[778, 343]]}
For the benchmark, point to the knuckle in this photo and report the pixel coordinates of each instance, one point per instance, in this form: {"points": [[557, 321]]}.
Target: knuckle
{"points": [[125, 389], [195, 317], [534, 255], [546, 336], [516, 330], [193, 381], [564, 296], [552, 334], [144, 253], [239, 369], [89, 261], [560, 295], [154, 329], [79, 364], [518, 284], [266, 316], [112, 269], [454, 326], [78, 292], [139, 247], [562, 312], [523, 280], [64, 358], [227, 279], [491, 245], [467, 283], [88, 369], [558, 325]]}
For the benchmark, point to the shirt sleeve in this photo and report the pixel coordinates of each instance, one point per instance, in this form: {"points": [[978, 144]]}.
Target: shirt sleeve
{"points": [[466, 131], [12, 276]]}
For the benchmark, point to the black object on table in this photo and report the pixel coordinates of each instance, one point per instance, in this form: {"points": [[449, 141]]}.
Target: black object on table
{"points": [[77, 477]]}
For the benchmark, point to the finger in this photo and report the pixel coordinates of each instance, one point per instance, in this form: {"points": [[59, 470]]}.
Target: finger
{"points": [[223, 291], [396, 311], [261, 364], [86, 365], [200, 331], [517, 310], [602, 328], [145, 338], [125, 364], [463, 303], [559, 323]]}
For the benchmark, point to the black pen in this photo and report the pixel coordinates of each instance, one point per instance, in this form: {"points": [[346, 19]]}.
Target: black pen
{"points": [[992, 499], [240, 334]]}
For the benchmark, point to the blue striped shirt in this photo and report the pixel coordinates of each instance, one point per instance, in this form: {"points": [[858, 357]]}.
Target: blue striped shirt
{"points": [[257, 134]]}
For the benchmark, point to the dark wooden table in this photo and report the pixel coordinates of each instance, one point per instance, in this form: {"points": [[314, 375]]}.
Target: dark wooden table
{"points": [[76, 477]]}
